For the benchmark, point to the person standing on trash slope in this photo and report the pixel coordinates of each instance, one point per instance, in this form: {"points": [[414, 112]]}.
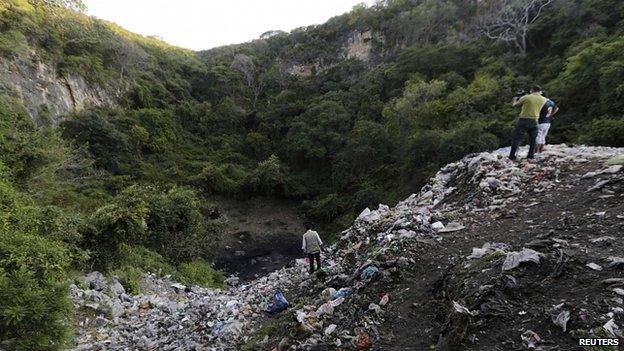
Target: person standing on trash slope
{"points": [[546, 115], [311, 246], [531, 104]]}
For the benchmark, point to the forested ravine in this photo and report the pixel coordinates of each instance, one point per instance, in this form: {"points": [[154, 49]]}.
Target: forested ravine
{"points": [[136, 176]]}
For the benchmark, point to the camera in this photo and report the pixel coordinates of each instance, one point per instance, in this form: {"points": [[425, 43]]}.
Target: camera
{"points": [[520, 93]]}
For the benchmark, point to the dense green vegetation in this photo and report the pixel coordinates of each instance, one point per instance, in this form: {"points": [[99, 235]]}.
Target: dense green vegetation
{"points": [[126, 189]]}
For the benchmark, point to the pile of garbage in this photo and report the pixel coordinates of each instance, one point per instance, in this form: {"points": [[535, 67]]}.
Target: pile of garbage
{"points": [[343, 305], [171, 316]]}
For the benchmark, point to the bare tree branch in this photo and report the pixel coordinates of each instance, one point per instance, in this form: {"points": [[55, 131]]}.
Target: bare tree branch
{"points": [[509, 20], [245, 65]]}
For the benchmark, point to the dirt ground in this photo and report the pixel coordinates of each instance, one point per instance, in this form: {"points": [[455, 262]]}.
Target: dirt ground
{"points": [[261, 235], [560, 223]]}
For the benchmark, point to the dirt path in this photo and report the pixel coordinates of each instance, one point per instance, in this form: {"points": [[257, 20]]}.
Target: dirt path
{"points": [[566, 212]]}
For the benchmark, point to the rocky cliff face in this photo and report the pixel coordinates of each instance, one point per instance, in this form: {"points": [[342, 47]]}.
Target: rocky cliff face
{"points": [[47, 96], [489, 255], [360, 45]]}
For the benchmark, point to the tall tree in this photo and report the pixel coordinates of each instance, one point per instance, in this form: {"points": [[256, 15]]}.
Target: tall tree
{"points": [[245, 65], [509, 20]]}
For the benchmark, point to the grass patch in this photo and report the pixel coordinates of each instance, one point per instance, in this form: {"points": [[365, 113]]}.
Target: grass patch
{"points": [[276, 329], [616, 160], [200, 273]]}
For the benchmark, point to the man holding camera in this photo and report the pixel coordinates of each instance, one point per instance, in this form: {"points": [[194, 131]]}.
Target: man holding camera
{"points": [[531, 104]]}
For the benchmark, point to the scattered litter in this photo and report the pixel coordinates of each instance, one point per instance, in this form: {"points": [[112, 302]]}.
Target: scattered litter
{"points": [[530, 339], [599, 185], [615, 262], [602, 239], [612, 328], [278, 303], [325, 309], [178, 287], [337, 302], [589, 175], [562, 319], [594, 266], [612, 170], [451, 227], [383, 244], [369, 272], [437, 226], [341, 293], [228, 328], [514, 259], [618, 291], [330, 329], [374, 307], [488, 248], [462, 309], [301, 316]]}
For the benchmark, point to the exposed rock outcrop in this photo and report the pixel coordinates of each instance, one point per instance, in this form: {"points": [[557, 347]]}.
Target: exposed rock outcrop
{"points": [[359, 45], [47, 96]]}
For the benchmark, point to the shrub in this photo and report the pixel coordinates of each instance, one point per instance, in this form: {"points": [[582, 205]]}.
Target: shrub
{"points": [[171, 223], [200, 273], [177, 228], [269, 177], [121, 221], [21, 148], [465, 139], [605, 132], [324, 208], [145, 259], [34, 304], [130, 278], [225, 178], [12, 43], [56, 224]]}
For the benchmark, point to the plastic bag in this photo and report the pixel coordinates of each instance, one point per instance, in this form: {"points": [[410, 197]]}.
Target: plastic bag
{"points": [[278, 303]]}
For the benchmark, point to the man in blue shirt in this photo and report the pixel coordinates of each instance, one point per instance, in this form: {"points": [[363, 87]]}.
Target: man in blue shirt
{"points": [[546, 116]]}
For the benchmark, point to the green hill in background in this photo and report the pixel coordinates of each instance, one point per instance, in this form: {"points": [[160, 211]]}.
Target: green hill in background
{"points": [[340, 116]]}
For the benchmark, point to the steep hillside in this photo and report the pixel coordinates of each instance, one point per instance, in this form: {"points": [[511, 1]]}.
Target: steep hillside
{"points": [[58, 61], [349, 113], [117, 150], [387, 94], [489, 255]]}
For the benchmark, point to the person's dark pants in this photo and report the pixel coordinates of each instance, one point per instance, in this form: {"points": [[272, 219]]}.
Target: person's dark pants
{"points": [[524, 125], [311, 258]]}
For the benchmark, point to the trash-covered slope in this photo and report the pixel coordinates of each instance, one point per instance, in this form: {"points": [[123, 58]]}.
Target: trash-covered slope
{"points": [[490, 255]]}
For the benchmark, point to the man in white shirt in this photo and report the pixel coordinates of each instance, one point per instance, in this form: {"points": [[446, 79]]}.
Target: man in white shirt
{"points": [[311, 246]]}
